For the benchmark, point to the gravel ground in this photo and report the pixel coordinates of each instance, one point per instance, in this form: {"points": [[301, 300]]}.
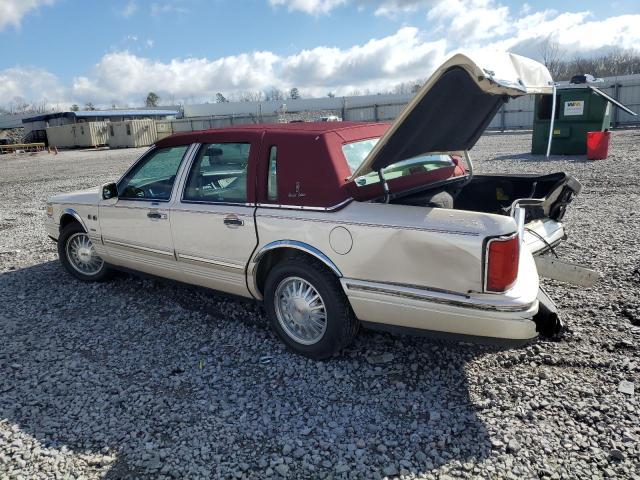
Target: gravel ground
{"points": [[145, 379]]}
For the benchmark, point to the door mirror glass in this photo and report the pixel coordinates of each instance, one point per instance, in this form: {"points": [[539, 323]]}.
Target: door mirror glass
{"points": [[110, 190]]}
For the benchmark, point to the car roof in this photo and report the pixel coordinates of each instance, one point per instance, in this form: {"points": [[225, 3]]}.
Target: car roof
{"points": [[297, 129]]}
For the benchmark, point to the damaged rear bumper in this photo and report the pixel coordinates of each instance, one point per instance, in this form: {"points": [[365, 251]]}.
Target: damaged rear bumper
{"points": [[484, 318]]}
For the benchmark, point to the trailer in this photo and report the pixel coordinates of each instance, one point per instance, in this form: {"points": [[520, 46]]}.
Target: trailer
{"points": [[132, 133], [83, 134]]}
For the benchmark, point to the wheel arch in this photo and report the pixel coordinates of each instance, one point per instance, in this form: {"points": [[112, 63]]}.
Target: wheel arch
{"points": [[70, 215], [275, 252]]}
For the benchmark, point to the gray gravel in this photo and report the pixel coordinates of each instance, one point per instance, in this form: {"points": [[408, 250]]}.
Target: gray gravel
{"points": [[144, 379]]}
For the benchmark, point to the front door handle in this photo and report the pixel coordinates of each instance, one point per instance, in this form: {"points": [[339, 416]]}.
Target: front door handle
{"points": [[157, 215], [233, 221]]}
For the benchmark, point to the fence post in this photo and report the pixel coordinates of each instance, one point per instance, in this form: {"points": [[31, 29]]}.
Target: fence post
{"points": [[616, 96], [502, 117], [376, 116]]}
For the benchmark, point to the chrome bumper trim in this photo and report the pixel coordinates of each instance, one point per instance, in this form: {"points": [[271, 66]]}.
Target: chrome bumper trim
{"points": [[432, 296]]}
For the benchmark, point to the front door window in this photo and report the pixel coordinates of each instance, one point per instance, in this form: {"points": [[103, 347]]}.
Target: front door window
{"points": [[153, 177]]}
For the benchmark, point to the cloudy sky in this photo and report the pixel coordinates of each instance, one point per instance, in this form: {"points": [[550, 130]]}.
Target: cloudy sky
{"points": [[114, 52]]}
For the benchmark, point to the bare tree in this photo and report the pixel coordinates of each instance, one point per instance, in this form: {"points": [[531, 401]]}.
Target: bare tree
{"points": [[18, 105], [40, 107], [274, 94], [250, 96], [551, 55]]}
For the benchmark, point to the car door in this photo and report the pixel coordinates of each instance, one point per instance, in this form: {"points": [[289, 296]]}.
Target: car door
{"points": [[213, 222], [136, 227]]}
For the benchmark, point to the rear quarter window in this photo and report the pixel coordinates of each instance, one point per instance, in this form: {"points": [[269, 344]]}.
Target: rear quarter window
{"points": [[356, 152]]}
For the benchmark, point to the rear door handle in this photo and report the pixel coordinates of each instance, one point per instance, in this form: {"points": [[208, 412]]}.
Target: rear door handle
{"points": [[233, 221], [157, 215]]}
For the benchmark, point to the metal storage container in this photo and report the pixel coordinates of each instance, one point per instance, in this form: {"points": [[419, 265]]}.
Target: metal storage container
{"points": [[84, 134], [132, 133], [163, 129]]}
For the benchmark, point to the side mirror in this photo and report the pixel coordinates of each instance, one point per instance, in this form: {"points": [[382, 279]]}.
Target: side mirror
{"points": [[110, 190]]}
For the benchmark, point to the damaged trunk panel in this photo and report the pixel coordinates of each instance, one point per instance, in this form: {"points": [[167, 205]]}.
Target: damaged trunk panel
{"points": [[495, 193]]}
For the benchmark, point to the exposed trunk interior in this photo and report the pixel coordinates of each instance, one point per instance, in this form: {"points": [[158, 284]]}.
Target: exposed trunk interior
{"points": [[494, 193]]}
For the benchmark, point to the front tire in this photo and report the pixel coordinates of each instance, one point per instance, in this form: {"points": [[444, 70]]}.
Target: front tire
{"points": [[78, 257], [308, 308]]}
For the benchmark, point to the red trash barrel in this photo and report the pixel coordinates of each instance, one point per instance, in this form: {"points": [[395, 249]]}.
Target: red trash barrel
{"points": [[598, 145]]}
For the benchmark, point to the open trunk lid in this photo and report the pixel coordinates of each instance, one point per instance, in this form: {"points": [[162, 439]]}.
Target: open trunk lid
{"points": [[455, 105]]}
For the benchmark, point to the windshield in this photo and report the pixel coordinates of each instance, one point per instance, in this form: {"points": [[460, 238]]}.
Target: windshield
{"points": [[356, 152]]}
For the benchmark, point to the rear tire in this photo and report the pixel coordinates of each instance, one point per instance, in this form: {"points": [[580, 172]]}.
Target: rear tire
{"points": [[308, 309], [78, 257]]}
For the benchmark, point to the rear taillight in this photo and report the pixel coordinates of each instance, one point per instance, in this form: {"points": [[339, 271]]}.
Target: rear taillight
{"points": [[503, 255]]}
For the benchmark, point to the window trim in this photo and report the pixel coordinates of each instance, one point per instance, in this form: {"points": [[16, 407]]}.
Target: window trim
{"points": [[144, 156], [194, 158]]}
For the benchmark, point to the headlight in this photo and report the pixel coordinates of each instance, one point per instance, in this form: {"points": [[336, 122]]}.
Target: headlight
{"points": [[49, 210]]}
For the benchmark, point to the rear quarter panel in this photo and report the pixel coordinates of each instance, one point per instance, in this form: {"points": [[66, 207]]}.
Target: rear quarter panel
{"points": [[427, 247]]}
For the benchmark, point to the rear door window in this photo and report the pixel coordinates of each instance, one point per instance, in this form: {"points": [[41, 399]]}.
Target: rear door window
{"points": [[219, 174]]}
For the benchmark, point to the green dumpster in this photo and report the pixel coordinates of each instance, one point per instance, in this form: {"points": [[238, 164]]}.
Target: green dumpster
{"points": [[578, 110]]}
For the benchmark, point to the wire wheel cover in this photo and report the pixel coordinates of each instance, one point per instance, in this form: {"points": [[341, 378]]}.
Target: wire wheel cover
{"points": [[81, 254], [300, 310]]}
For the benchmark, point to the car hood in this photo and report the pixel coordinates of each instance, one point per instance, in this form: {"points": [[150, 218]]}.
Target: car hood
{"points": [[81, 197], [455, 105]]}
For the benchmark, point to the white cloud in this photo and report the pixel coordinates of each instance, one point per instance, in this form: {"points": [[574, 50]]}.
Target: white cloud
{"points": [[575, 33], [395, 8], [129, 9], [125, 75], [30, 83], [312, 7], [168, 7], [468, 21], [378, 64], [12, 11], [388, 8]]}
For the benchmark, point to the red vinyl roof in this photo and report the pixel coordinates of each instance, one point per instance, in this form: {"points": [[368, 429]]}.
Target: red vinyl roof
{"points": [[298, 128]]}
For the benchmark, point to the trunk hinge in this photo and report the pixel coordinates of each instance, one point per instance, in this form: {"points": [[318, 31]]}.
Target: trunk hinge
{"points": [[467, 159], [385, 186]]}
